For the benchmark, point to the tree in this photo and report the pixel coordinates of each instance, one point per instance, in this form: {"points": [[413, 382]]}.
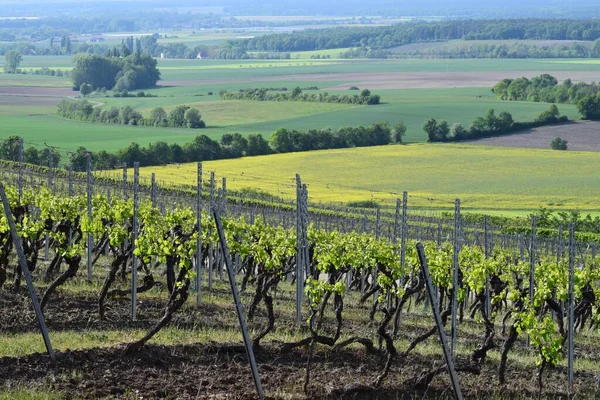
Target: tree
{"points": [[78, 159], [9, 148], [131, 154], [193, 119], [257, 145], [281, 141], [45, 154], [558, 144], [177, 116], [430, 128], [158, 116], [589, 106], [85, 89], [596, 48], [234, 145], [436, 131], [505, 121], [443, 130], [549, 116], [398, 132], [12, 60], [458, 132], [31, 155]]}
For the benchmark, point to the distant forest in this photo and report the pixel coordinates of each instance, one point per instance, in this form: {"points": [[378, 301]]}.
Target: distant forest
{"points": [[387, 37], [582, 36]]}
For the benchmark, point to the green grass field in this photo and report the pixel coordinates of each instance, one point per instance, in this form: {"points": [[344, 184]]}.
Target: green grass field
{"points": [[499, 180]]}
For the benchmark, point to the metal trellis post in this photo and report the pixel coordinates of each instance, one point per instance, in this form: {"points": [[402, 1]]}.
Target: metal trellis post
{"points": [[134, 264]]}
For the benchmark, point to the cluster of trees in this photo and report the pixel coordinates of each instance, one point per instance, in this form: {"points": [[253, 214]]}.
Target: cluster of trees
{"points": [[181, 116], [391, 36], [287, 141], [488, 126], [12, 60], [589, 106], [545, 88], [263, 94], [9, 150], [135, 71], [484, 50]]}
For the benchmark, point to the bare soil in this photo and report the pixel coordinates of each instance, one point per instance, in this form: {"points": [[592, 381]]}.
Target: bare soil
{"points": [[402, 80], [581, 136], [36, 91], [203, 371], [221, 371], [11, 96]]}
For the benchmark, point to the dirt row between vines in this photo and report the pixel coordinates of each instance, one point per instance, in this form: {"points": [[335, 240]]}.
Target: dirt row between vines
{"points": [[217, 370], [201, 371]]}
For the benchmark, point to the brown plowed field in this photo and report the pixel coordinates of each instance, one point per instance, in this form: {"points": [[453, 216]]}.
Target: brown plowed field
{"points": [[35, 91], [402, 80], [32, 95], [581, 136]]}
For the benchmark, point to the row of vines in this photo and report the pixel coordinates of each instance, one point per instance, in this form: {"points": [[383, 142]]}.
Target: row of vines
{"points": [[492, 290]]}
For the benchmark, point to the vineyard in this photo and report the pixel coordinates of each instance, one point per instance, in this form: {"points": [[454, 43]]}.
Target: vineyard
{"points": [[330, 303]]}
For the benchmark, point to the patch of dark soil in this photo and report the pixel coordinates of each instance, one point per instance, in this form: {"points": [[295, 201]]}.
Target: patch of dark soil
{"points": [[79, 312], [216, 371]]}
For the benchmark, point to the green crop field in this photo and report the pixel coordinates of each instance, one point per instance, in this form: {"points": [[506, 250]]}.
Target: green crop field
{"points": [[382, 170], [499, 180], [413, 107]]}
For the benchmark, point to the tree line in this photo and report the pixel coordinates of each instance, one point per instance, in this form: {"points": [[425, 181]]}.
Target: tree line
{"points": [[545, 88], [234, 145], [263, 94], [287, 141], [203, 148], [489, 125], [492, 50], [387, 37], [369, 42], [181, 116]]}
